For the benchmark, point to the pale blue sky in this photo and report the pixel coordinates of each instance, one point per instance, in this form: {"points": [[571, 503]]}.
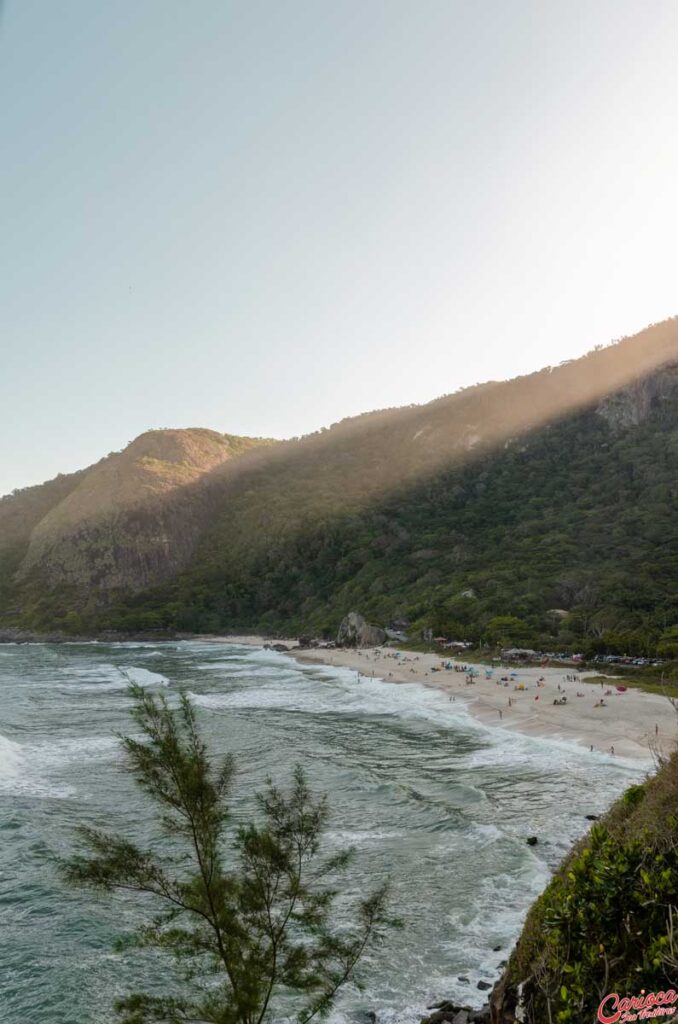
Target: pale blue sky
{"points": [[262, 217]]}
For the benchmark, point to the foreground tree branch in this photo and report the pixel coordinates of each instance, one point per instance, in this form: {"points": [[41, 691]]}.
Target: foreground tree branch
{"points": [[247, 916]]}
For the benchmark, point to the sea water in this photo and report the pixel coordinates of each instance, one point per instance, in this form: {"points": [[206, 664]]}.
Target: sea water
{"points": [[428, 797]]}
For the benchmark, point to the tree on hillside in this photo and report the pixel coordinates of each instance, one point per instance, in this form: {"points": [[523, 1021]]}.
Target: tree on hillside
{"points": [[508, 629], [248, 913], [668, 643]]}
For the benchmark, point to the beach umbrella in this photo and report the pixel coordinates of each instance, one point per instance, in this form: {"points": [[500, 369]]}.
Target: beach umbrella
{"points": [[622, 689]]}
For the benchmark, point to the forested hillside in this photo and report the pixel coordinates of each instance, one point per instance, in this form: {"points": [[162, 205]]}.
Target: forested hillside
{"points": [[572, 530], [538, 510], [131, 519]]}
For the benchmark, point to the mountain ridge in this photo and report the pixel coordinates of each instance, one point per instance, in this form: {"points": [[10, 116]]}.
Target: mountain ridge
{"points": [[384, 511], [153, 470]]}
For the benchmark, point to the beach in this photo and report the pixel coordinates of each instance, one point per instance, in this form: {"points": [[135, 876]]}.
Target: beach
{"points": [[632, 723]]}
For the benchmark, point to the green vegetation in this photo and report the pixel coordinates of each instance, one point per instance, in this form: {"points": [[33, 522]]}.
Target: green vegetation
{"points": [[535, 512], [518, 546], [248, 912], [608, 922]]}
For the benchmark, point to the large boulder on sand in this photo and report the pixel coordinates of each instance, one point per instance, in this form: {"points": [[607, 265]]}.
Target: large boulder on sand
{"points": [[355, 631]]}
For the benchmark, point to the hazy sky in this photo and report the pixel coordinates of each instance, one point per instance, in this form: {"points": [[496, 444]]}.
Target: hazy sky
{"points": [[262, 217]]}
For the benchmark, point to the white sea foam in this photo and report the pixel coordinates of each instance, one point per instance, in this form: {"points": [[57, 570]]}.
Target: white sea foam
{"points": [[105, 677], [10, 758], [494, 918], [142, 676], [28, 768], [334, 691], [360, 837], [236, 670]]}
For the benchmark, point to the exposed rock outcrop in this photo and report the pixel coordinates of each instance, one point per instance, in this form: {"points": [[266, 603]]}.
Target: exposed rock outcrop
{"points": [[450, 1013], [633, 404], [131, 520], [355, 631]]}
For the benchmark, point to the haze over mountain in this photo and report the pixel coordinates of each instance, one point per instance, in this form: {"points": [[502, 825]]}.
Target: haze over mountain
{"points": [[553, 491]]}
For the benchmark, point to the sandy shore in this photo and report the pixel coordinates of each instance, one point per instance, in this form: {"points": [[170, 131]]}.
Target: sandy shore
{"points": [[632, 722]]}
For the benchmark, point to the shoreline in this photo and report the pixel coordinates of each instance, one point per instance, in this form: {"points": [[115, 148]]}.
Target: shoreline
{"points": [[637, 725], [632, 722]]}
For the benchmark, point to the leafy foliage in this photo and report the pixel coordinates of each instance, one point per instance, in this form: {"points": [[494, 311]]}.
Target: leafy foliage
{"points": [[248, 916]]}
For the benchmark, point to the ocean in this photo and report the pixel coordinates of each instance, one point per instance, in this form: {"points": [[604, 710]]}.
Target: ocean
{"points": [[432, 799]]}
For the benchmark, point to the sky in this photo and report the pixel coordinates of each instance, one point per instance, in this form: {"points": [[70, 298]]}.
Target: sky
{"points": [[262, 217]]}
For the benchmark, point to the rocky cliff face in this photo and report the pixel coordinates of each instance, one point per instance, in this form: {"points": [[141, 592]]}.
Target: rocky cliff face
{"points": [[133, 518], [632, 405], [21, 511]]}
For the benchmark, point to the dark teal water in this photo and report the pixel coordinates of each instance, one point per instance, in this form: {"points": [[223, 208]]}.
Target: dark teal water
{"points": [[426, 795]]}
